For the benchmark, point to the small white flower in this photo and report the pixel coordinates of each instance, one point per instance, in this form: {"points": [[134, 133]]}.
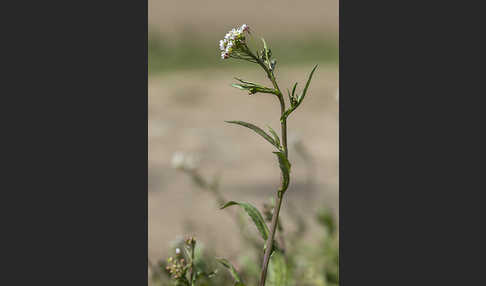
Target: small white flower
{"points": [[228, 36], [229, 48], [244, 28], [232, 38], [178, 251]]}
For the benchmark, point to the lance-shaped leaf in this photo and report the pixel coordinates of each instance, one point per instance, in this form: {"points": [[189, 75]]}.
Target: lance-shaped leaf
{"points": [[301, 97], [252, 87], [277, 270], [275, 136], [247, 82], [293, 89], [257, 130], [238, 86], [293, 99], [231, 270], [285, 167], [266, 54], [255, 216]]}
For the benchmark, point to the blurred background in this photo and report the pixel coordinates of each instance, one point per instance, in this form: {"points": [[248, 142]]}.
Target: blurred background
{"points": [[190, 96]]}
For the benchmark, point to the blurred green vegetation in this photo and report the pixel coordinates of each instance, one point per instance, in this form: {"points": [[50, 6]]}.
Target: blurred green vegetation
{"points": [[295, 262], [303, 264], [192, 51]]}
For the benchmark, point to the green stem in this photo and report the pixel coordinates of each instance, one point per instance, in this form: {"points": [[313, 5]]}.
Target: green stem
{"points": [[268, 250], [279, 195], [276, 212]]}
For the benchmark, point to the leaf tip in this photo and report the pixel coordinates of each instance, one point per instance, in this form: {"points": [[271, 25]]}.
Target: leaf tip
{"points": [[227, 204]]}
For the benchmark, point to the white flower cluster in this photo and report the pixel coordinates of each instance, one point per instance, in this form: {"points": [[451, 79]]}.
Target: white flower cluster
{"points": [[231, 38]]}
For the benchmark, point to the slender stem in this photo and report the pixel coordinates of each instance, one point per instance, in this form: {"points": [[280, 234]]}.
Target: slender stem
{"points": [[279, 195], [279, 94], [283, 126], [281, 191], [276, 212], [268, 250]]}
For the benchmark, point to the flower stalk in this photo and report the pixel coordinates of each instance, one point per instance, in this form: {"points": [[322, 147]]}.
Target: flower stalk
{"points": [[234, 46], [283, 188]]}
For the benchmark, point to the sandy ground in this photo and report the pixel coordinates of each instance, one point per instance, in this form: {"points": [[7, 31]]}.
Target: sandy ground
{"points": [[187, 112]]}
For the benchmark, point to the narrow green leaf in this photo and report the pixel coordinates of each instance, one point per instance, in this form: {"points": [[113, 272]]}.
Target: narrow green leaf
{"points": [[257, 130], [231, 270], [247, 82], [307, 85], [293, 89], [300, 98], [266, 51], [254, 214], [285, 167], [253, 87], [277, 270], [264, 45], [275, 136], [238, 86]]}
